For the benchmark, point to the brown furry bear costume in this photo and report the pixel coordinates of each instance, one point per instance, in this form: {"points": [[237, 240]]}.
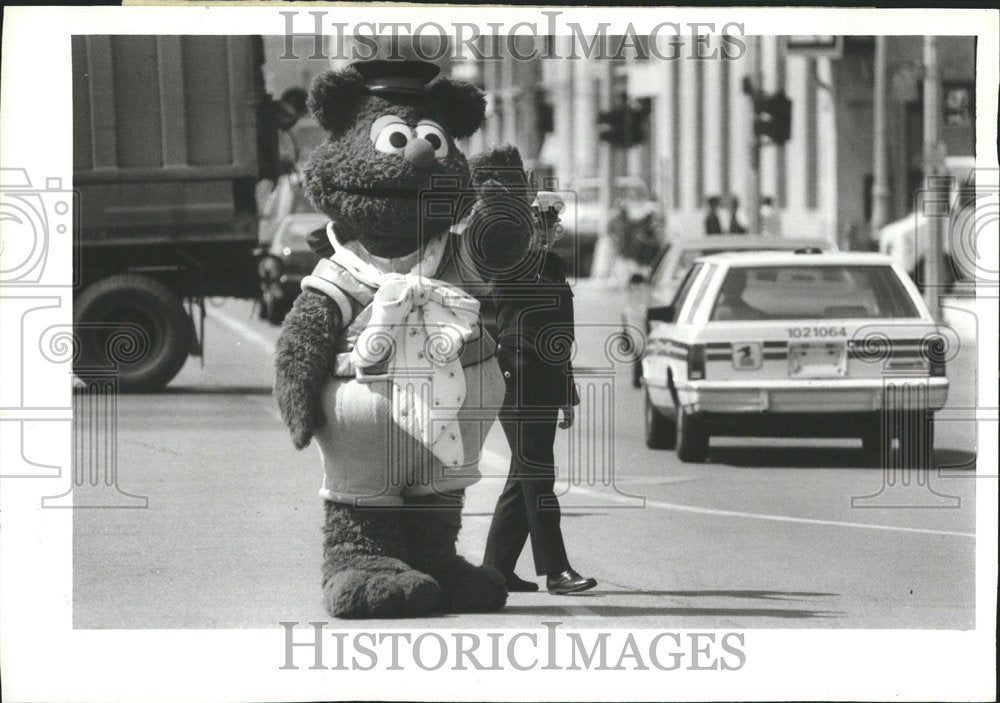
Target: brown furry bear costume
{"points": [[393, 510]]}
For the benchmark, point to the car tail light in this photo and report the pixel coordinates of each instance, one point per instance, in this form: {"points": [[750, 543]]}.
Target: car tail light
{"points": [[935, 351], [696, 362]]}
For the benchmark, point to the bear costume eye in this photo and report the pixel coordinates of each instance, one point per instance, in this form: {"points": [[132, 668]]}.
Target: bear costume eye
{"points": [[390, 134], [434, 134]]}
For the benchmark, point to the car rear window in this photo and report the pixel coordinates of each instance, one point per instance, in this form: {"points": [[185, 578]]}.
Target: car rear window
{"points": [[812, 292]]}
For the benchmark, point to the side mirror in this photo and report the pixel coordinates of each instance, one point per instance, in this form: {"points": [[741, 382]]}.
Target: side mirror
{"points": [[660, 314]]}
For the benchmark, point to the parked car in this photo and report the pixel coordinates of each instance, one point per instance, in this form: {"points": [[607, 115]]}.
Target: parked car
{"points": [[584, 218], [795, 344], [284, 256], [674, 261]]}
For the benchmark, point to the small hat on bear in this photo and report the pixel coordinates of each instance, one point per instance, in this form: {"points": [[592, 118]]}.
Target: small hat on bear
{"points": [[386, 76]]}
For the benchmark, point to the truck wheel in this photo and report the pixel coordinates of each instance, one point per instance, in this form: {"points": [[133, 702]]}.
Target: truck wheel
{"points": [[125, 301], [692, 437], [661, 431]]}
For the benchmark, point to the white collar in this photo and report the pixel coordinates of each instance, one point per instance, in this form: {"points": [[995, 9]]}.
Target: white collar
{"points": [[353, 255]]}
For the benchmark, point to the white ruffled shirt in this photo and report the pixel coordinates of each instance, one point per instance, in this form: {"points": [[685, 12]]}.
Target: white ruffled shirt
{"points": [[418, 327]]}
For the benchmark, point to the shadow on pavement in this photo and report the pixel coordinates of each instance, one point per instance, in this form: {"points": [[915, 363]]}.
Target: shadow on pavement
{"points": [[766, 595], [217, 390], [624, 611], [821, 458], [564, 514]]}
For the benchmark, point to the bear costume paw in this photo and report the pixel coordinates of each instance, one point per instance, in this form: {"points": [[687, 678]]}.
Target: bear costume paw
{"points": [[369, 590]]}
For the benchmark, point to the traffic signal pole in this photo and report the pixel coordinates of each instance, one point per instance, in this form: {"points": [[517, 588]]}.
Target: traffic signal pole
{"points": [[603, 256], [753, 174], [932, 201]]}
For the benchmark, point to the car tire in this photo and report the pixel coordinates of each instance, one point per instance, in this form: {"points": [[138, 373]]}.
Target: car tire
{"points": [[692, 437], [275, 309], [127, 299], [915, 433], [876, 444], [637, 373], [661, 431]]}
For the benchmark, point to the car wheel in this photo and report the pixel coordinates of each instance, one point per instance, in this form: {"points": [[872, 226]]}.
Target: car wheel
{"points": [[276, 310], [875, 444], [637, 373], [692, 437], [916, 440], [661, 431]]}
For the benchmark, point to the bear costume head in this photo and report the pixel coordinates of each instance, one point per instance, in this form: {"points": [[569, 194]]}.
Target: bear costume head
{"points": [[393, 127]]}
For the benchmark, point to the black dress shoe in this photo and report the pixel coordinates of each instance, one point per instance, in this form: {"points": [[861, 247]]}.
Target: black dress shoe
{"points": [[519, 585], [568, 582]]}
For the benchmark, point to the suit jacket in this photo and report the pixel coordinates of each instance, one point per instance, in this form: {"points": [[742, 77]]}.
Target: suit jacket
{"points": [[535, 330]]}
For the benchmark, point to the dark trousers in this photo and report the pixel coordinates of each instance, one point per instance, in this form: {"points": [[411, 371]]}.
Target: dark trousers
{"points": [[527, 505]]}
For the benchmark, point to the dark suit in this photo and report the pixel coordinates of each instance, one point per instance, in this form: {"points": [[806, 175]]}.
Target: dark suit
{"points": [[535, 330], [712, 223]]}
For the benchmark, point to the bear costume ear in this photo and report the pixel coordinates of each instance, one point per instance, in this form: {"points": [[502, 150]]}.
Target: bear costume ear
{"points": [[333, 97], [460, 106]]}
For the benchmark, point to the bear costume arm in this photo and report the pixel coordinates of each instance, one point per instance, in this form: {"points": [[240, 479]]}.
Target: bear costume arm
{"points": [[500, 224], [304, 356]]}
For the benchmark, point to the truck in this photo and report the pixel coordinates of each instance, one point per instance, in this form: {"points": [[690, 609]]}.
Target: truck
{"points": [[171, 136]]}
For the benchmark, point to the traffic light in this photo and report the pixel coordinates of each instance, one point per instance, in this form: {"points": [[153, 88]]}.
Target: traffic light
{"points": [[773, 116], [611, 126], [626, 125]]}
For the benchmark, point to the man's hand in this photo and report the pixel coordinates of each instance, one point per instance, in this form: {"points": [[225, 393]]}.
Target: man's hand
{"points": [[569, 415]]}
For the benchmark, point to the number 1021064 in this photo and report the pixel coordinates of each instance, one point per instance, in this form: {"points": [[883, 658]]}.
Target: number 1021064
{"points": [[816, 332]]}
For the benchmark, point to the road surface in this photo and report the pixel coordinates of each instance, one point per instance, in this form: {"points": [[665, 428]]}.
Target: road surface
{"points": [[762, 535]]}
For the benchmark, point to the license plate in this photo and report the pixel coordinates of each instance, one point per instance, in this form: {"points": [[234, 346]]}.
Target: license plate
{"points": [[817, 360]]}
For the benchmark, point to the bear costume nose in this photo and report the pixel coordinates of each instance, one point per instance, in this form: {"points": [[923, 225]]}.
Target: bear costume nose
{"points": [[419, 152]]}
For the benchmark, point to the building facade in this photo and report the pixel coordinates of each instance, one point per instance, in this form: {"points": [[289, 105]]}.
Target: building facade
{"points": [[699, 135]]}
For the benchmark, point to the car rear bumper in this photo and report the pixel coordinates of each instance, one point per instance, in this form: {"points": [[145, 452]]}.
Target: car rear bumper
{"points": [[814, 396]]}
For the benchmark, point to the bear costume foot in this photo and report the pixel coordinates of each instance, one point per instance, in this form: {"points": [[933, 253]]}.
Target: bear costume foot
{"points": [[364, 572], [432, 526], [369, 591]]}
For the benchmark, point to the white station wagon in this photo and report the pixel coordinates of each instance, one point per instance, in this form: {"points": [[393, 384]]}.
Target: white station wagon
{"points": [[795, 344]]}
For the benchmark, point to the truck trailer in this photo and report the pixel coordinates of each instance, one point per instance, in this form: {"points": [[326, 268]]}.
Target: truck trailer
{"points": [[171, 134]]}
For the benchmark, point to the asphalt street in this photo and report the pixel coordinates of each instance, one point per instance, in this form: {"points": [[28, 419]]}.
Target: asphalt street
{"points": [[762, 535]]}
